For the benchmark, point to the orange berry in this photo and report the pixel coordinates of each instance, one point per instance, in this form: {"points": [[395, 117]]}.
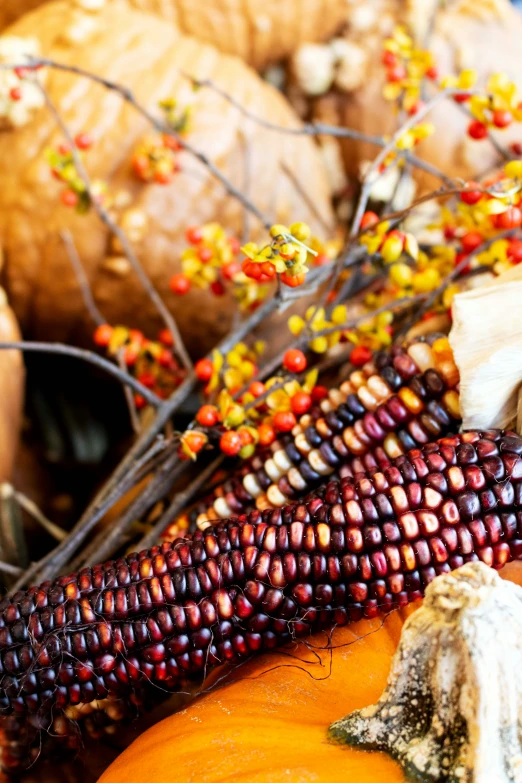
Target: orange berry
{"points": [[284, 421], [396, 73], [83, 141], [204, 369], [130, 354], [139, 401], [69, 198], [471, 241], [165, 337], [514, 251], [268, 269], [234, 244], [140, 164], [471, 196], [501, 118], [194, 235], [15, 93], [230, 443], [301, 403], [205, 255], [511, 218], [195, 440], [230, 270], [245, 436], [389, 58], [369, 219], [102, 335], [266, 434], [179, 283], [207, 416], [319, 393], [293, 281], [432, 73], [294, 360], [147, 379], [170, 142], [257, 388], [165, 358], [477, 130]]}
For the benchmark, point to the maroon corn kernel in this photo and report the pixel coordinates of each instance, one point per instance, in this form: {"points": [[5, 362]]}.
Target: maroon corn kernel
{"points": [[161, 616], [398, 401]]}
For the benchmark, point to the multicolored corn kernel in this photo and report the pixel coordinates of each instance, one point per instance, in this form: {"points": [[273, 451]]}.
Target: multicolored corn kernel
{"points": [[355, 547], [404, 398]]}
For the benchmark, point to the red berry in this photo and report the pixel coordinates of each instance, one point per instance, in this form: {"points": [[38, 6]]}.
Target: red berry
{"points": [[432, 73], [257, 388], [396, 73], [502, 118], [301, 403], [388, 58], [83, 141], [516, 148], [147, 379], [170, 142], [251, 269], [471, 241], [284, 421], [205, 254], [179, 283], [162, 176], [417, 106], [234, 244], [449, 232], [217, 288], [165, 337], [194, 235], [207, 416], [165, 358], [15, 93], [511, 218], [477, 130], [514, 251], [461, 97], [471, 196], [369, 219], [294, 360], [204, 369], [139, 402], [69, 198], [140, 164], [22, 72], [230, 443], [293, 281], [459, 258], [245, 436], [319, 393], [102, 335], [268, 269], [360, 355], [230, 270], [321, 259], [266, 434]]}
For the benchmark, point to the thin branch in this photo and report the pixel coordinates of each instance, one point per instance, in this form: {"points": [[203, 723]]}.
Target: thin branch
{"points": [[119, 233], [308, 200], [29, 506], [86, 356], [97, 317]]}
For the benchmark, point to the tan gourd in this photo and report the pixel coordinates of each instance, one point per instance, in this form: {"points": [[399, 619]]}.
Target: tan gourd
{"points": [[150, 57], [259, 31], [12, 376], [481, 34]]}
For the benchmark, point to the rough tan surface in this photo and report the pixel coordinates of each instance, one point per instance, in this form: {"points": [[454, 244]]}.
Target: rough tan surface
{"points": [[12, 376], [147, 55], [260, 31], [481, 35]]}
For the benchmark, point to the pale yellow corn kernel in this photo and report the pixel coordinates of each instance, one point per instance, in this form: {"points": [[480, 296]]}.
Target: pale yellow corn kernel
{"points": [[357, 379], [450, 372], [252, 485], [302, 444], [326, 406], [274, 497], [378, 387], [323, 535], [336, 397], [411, 401], [422, 355], [352, 442], [451, 400], [281, 460], [222, 508], [272, 470], [392, 446], [347, 388], [366, 397], [318, 464], [295, 480], [305, 421]]}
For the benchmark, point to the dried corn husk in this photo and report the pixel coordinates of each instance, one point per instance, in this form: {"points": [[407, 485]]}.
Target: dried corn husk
{"points": [[486, 338]]}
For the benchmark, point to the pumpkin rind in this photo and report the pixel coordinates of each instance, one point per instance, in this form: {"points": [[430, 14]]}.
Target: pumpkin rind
{"points": [[149, 56]]}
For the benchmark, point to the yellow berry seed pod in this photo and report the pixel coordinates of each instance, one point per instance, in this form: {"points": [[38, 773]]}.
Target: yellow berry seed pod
{"points": [[391, 249], [300, 231], [278, 229]]}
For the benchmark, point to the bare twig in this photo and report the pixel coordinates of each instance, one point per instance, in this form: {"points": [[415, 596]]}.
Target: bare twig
{"points": [[120, 234], [308, 200], [28, 505], [86, 356]]}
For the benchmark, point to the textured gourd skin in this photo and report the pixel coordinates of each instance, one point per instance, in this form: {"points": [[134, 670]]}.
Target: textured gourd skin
{"points": [[268, 720], [258, 31], [12, 377], [467, 34], [147, 55]]}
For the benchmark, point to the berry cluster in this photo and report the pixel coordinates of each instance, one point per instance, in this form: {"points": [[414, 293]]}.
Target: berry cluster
{"points": [[406, 67], [155, 159], [286, 255], [63, 168], [152, 363], [210, 261]]}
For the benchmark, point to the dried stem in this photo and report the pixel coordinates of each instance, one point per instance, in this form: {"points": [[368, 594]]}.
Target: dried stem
{"points": [[308, 200], [30, 507], [86, 356]]}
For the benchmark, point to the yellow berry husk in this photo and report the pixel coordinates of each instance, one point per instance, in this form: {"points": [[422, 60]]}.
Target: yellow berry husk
{"points": [[401, 275], [392, 249], [300, 231], [278, 229]]}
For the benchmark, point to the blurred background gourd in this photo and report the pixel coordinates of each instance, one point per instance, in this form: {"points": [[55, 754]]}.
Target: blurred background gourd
{"points": [[150, 57]]}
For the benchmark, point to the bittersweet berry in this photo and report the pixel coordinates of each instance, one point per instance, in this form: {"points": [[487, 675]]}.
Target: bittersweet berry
{"points": [[102, 335], [179, 283], [319, 393], [293, 281], [165, 337], [294, 360], [257, 388], [204, 369], [369, 219], [514, 251], [83, 141], [284, 421], [502, 118], [230, 443], [207, 416], [471, 196], [511, 218], [477, 130], [195, 440], [266, 434], [194, 235], [69, 198], [301, 402], [360, 355], [471, 241]]}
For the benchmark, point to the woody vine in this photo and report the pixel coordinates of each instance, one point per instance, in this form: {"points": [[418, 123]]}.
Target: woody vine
{"points": [[375, 263]]}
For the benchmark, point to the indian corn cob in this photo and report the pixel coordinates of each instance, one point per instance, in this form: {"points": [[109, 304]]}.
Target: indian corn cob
{"points": [[402, 399], [355, 547]]}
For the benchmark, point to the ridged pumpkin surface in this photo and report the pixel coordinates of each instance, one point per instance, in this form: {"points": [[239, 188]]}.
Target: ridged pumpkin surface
{"points": [[259, 31], [149, 56]]}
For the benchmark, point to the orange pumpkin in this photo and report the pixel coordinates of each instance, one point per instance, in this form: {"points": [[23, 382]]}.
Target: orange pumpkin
{"points": [[267, 721], [12, 378], [149, 56], [257, 31]]}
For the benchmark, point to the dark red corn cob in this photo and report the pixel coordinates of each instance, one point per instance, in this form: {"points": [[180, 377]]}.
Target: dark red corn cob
{"points": [[353, 548], [403, 399]]}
